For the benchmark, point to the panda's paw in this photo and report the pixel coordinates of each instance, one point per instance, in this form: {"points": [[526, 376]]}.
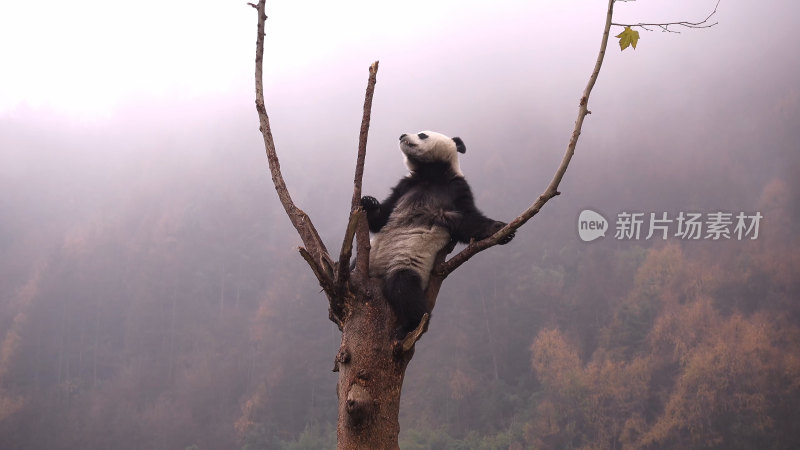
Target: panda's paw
{"points": [[370, 203], [505, 240]]}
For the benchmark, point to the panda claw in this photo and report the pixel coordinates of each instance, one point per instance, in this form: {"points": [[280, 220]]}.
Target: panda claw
{"points": [[507, 239], [370, 203]]}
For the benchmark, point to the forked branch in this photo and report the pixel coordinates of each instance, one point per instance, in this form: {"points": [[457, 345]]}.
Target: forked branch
{"points": [[332, 278]]}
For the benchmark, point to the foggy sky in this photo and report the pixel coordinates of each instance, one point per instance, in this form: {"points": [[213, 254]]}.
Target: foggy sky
{"points": [[97, 109]]}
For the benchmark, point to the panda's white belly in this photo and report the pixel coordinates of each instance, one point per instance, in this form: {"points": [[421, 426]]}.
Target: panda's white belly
{"points": [[401, 247], [414, 235]]}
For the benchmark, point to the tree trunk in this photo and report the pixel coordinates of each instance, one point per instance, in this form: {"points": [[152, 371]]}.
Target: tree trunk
{"points": [[371, 368]]}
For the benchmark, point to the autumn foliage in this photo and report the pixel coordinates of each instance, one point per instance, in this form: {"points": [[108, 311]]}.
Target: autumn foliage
{"points": [[178, 316], [673, 370]]}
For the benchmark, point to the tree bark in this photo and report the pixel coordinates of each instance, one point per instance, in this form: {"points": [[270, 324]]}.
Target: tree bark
{"points": [[371, 369]]}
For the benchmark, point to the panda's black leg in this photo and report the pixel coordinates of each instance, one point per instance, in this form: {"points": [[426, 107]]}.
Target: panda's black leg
{"points": [[403, 290]]}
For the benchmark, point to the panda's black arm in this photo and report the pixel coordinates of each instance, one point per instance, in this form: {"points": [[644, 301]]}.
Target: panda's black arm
{"points": [[378, 215], [472, 224]]}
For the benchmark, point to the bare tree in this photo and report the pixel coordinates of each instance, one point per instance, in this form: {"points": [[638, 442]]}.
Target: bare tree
{"points": [[370, 361]]}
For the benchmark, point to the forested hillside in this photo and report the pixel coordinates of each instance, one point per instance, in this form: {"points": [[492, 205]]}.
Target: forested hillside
{"points": [[170, 310]]}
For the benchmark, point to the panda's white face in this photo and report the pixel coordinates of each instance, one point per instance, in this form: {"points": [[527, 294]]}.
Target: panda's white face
{"points": [[430, 146]]}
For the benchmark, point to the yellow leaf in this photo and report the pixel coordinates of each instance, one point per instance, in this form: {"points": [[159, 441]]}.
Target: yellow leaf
{"points": [[628, 37]]}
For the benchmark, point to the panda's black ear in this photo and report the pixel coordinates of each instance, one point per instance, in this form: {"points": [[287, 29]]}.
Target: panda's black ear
{"points": [[460, 147]]}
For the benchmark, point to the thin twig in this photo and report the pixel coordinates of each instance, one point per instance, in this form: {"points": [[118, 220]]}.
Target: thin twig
{"points": [[413, 336], [665, 26], [325, 280], [552, 189]]}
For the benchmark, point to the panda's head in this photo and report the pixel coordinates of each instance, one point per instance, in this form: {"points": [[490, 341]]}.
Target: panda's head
{"points": [[430, 147]]}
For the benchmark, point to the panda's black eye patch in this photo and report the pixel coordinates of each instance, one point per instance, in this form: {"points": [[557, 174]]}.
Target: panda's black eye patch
{"points": [[422, 136]]}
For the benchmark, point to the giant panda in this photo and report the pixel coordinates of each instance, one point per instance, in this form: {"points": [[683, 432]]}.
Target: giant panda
{"points": [[427, 209]]}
